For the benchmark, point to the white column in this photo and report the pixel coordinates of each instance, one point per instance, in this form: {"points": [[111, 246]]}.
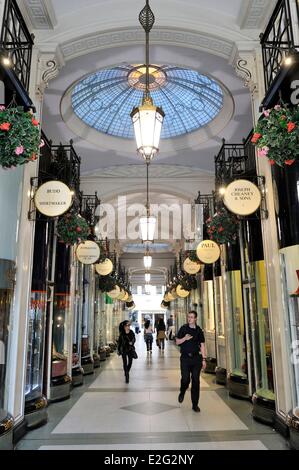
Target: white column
{"points": [[252, 72], [24, 259]]}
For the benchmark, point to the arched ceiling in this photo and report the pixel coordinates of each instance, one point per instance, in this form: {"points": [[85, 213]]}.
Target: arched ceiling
{"points": [[84, 36]]}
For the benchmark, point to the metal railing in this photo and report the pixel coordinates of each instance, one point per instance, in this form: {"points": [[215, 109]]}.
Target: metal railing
{"points": [[278, 41], [234, 161], [88, 207], [17, 42]]}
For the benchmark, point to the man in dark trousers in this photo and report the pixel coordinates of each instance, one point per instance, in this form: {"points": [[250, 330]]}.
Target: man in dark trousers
{"points": [[193, 358]]}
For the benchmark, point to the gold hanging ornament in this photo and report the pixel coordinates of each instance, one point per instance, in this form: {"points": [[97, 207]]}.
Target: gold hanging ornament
{"points": [[114, 293], [191, 267], [104, 268], [182, 292]]}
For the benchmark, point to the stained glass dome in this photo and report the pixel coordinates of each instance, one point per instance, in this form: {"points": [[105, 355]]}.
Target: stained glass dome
{"points": [[105, 99]]}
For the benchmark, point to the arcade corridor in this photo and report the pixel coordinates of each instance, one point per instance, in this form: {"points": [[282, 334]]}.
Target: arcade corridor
{"points": [[108, 414]]}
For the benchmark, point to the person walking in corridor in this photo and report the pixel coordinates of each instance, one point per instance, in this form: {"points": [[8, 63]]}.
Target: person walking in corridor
{"points": [[161, 328], [191, 340], [170, 327], [126, 348], [148, 336]]}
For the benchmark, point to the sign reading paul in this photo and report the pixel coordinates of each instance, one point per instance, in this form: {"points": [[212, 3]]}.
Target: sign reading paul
{"points": [[88, 252], [242, 197], [53, 198], [208, 252]]}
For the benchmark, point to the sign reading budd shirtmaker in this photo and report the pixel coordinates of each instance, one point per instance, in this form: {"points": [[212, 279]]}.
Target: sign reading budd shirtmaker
{"points": [[53, 198], [242, 197], [88, 252]]}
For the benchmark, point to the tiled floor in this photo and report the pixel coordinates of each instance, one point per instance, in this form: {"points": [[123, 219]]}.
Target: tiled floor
{"points": [[106, 413]]}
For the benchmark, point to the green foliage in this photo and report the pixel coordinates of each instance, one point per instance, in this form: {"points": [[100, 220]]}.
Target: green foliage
{"points": [[193, 256], [188, 282], [223, 227], [277, 135], [107, 283], [72, 228], [19, 137]]}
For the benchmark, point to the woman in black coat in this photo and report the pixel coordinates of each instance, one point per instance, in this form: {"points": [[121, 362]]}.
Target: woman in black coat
{"points": [[126, 347]]}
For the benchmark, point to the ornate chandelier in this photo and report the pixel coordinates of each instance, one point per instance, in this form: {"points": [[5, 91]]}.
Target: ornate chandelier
{"points": [[147, 118]]}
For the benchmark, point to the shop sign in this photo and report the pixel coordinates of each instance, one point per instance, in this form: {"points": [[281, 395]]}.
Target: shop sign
{"points": [[208, 252], [88, 252], [191, 267], [105, 267], [53, 198], [242, 197]]}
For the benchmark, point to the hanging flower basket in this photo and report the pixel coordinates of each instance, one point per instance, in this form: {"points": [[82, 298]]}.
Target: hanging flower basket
{"points": [[107, 283], [223, 227], [72, 229], [277, 135], [188, 282], [19, 137]]}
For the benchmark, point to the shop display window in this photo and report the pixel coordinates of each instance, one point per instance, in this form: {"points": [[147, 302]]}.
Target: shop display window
{"points": [[77, 317], [236, 329], [261, 341], [290, 278], [219, 305], [10, 208], [35, 346], [5, 306], [60, 335]]}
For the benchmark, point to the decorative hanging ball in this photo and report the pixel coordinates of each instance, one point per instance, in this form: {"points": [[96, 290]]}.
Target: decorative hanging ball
{"points": [[114, 293], [182, 292], [191, 267], [105, 267]]}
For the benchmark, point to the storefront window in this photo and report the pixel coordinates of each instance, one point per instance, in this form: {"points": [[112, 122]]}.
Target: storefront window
{"points": [[61, 313], [10, 207], [236, 330], [77, 318], [290, 274], [35, 347]]}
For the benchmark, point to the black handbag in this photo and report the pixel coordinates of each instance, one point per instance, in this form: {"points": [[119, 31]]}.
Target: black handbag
{"points": [[134, 354]]}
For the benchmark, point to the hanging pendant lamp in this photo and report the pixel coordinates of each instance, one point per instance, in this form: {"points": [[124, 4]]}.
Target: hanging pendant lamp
{"points": [[147, 118]]}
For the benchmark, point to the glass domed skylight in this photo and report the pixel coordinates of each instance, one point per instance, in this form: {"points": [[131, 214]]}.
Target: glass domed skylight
{"points": [[105, 99]]}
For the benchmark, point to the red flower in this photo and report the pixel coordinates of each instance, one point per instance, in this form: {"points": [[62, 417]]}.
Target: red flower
{"points": [[221, 229], [35, 122], [272, 162], [33, 157], [256, 137], [289, 162], [5, 126], [78, 229], [291, 126]]}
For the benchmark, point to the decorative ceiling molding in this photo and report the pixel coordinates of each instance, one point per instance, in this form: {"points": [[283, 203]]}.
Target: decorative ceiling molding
{"points": [[256, 13], [245, 67], [40, 13], [164, 36], [156, 171]]}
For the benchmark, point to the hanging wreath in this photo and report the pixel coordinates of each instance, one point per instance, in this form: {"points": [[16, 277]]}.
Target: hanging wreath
{"points": [[188, 282], [223, 227], [277, 135], [72, 228], [107, 283], [19, 137], [193, 256]]}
